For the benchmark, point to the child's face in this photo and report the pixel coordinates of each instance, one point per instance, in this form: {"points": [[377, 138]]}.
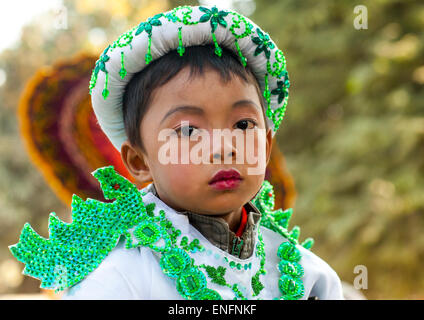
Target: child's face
{"points": [[212, 105]]}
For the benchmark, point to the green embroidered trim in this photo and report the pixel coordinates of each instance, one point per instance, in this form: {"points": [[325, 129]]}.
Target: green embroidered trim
{"points": [[257, 286], [124, 39], [215, 17], [186, 15], [278, 67], [290, 283]]}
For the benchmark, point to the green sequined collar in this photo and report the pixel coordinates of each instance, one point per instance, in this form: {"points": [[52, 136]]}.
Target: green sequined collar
{"points": [[77, 248]]}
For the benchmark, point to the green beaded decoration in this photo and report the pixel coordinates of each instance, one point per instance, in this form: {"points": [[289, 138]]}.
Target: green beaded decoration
{"points": [[256, 284], [290, 283], [193, 246], [147, 232], [174, 262], [216, 274], [191, 282]]}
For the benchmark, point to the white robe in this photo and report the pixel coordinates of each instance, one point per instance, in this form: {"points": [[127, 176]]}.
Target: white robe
{"points": [[136, 274]]}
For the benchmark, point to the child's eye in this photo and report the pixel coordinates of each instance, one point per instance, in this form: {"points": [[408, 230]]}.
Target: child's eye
{"points": [[245, 124], [186, 131]]}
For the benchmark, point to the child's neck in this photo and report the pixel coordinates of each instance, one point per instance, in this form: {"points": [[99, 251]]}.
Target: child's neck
{"points": [[233, 219]]}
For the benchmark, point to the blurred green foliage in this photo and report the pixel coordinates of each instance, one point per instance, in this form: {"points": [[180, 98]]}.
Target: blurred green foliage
{"points": [[353, 135]]}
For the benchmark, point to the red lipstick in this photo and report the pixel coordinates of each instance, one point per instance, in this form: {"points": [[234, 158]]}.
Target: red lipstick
{"points": [[225, 180]]}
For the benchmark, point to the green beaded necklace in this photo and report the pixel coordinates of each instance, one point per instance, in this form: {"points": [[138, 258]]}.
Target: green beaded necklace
{"points": [[79, 247]]}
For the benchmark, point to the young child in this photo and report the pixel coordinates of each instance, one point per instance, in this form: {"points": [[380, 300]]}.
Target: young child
{"points": [[206, 227]]}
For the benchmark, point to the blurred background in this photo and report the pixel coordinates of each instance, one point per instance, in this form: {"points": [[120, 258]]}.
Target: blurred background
{"points": [[352, 137]]}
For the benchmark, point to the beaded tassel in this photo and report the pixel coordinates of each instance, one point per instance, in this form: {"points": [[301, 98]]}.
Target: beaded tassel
{"points": [[180, 48], [122, 72], [105, 92], [218, 50], [148, 57], [242, 58]]}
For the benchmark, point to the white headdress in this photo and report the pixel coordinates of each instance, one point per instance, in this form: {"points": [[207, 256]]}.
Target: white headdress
{"points": [[176, 29]]}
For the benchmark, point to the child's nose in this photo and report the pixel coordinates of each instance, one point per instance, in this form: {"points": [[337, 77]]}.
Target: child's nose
{"points": [[225, 152]]}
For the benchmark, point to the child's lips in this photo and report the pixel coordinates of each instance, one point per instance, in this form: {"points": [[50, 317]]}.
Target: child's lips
{"points": [[225, 179]]}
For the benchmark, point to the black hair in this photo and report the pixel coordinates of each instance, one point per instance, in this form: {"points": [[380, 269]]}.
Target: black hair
{"points": [[139, 90]]}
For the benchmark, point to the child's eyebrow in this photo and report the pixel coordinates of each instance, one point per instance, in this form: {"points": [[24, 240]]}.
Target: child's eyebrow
{"points": [[198, 110], [246, 102], [187, 109]]}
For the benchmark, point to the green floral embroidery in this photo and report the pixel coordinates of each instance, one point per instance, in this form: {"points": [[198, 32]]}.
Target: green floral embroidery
{"points": [[214, 16], [148, 25], [282, 89], [216, 274], [264, 43]]}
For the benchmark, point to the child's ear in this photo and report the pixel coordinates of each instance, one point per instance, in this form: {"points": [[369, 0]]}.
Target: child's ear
{"points": [[269, 141], [135, 162]]}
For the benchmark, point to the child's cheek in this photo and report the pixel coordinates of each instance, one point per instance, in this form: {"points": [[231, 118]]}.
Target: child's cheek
{"points": [[182, 176]]}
